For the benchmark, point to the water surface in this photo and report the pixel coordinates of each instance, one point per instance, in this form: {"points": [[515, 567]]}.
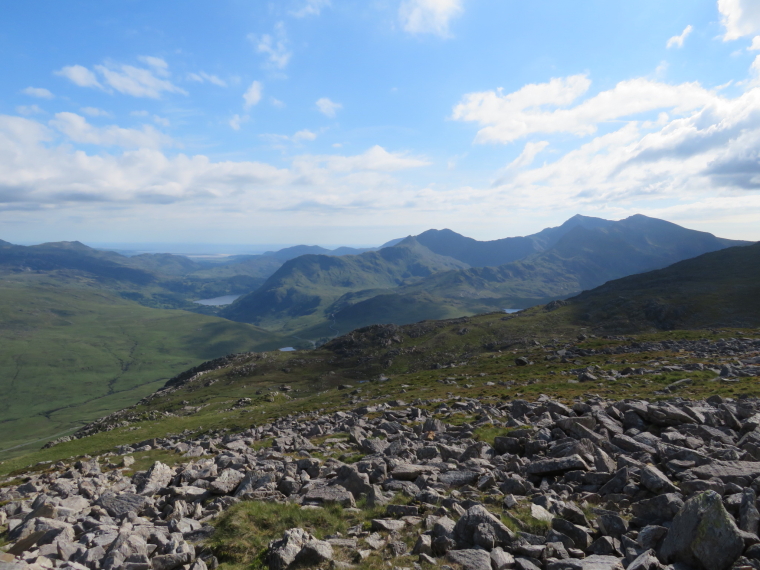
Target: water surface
{"points": [[218, 301]]}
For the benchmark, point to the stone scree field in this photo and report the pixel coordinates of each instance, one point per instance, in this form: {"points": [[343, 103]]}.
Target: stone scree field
{"points": [[447, 482]]}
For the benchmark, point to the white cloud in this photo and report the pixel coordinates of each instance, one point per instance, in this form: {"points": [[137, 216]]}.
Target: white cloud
{"points": [[677, 41], [428, 16], [328, 108], [304, 135], [375, 159], [534, 107], [236, 121], [136, 81], [755, 44], [28, 110], [739, 17], [39, 92], [310, 8], [163, 121], [49, 178], [78, 130], [253, 95], [79, 75], [202, 77], [275, 47], [276, 103], [126, 79], [159, 65], [95, 112]]}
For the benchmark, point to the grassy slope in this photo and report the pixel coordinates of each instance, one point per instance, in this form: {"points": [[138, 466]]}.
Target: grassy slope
{"points": [[69, 354], [302, 292], [716, 289], [482, 350]]}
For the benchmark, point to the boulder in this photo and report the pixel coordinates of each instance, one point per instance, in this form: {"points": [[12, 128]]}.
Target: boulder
{"points": [[703, 535], [478, 527], [470, 559]]}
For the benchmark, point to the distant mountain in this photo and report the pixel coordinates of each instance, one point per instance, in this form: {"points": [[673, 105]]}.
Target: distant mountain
{"points": [[498, 252], [305, 287], [298, 250], [716, 289], [581, 254]]}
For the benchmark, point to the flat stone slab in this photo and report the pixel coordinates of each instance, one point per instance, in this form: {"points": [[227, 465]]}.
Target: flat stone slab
{"points": [[728, 470], [119, 505], [470, 559], [559, 465]]}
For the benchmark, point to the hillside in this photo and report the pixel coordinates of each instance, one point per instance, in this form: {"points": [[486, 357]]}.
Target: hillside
{"points": [[498, 252], [303, 291], [69, 354], [581, 254], [718, 289]]}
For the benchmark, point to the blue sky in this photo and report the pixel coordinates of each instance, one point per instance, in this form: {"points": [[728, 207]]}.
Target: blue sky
{"points": [[342, 122]]}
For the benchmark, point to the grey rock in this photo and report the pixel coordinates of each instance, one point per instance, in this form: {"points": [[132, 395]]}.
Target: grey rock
{"points": [[119, 505], [227, 482], [283, 552], [157, 477], [332, 494], [559, 465], [647, 560], [314, 552], [470, 559], [656, 481], [748, 513], [658, 509], [478, 527], [703, 535]]}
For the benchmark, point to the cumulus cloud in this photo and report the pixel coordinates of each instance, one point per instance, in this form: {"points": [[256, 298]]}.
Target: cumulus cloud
{"points": [[677, 41], [95, 112], [375, 159], [755, 44], [39, 92], [77, 129], [328, 108], [428, 16], [29, 110], [298, 137], [310, 8], [534, 107], [237, 120], [203, 77], [37, 174], [739, 17], [274, 46], [136, 81], [79, 75], [252, 96], [148, 82]]}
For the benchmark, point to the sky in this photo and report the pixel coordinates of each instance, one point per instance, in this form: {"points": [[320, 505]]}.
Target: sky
{"points": [[355, 122]]}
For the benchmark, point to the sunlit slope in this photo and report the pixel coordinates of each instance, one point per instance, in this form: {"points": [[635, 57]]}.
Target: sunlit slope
{"points": [[69, 354]]}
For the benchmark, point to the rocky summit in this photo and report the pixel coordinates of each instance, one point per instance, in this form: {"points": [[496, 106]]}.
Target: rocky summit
{"points": [[591, 485]]}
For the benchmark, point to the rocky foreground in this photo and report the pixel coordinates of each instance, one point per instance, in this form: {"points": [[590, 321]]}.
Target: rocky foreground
{"points": [[596, 486]]}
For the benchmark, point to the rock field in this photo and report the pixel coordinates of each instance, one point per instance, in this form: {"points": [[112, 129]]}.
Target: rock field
{"points": [[588, 485]]}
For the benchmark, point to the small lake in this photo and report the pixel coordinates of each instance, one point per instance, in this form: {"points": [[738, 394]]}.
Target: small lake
{"points": [[512, 310], [286, 349], [218, 301]]}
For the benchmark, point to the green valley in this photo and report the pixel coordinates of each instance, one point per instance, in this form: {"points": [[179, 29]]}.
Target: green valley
{"points": [[70, 353]]}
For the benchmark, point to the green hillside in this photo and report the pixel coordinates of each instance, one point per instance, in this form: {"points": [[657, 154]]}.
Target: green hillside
{"points": [[70, 353], [719, 289], [325, 296], [303, 291]]}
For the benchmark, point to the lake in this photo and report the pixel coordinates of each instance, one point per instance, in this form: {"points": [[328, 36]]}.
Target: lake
{"points": [[218, 301], [512, 310], [286, 349]]}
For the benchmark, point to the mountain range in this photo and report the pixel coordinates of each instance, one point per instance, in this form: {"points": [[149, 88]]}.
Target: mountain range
{"points": [[442, 274]]}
